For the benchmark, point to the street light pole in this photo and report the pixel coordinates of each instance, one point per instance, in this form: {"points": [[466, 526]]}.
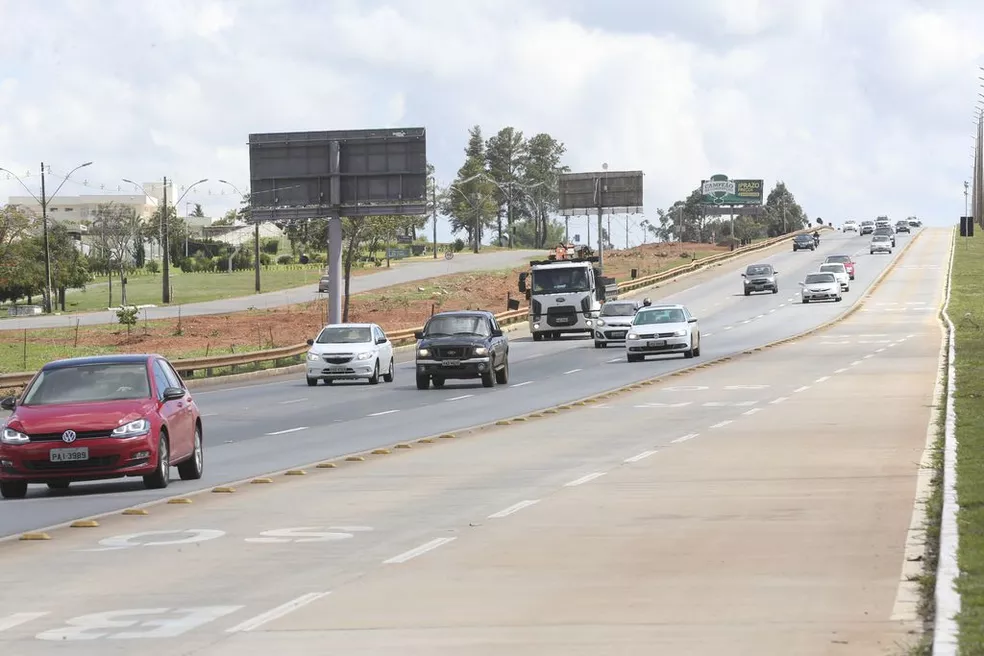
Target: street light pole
{"points": [[166, 277], [434, 210]]}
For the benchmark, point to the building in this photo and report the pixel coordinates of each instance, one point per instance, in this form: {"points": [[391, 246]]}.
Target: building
{"points": [[82, 209]]}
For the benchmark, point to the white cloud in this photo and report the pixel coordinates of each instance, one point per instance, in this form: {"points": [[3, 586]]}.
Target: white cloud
{"points": [[862, 108]]}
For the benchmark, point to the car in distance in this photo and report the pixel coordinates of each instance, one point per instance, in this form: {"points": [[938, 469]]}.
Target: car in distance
{"points": [[914, 222], [760, 278], [614, 321], [804, 242], [461, 345], [323, 286], [843, 259], [97, 418], [867, 227], [662, 329], [350, 351], [902, 226], [881, 244], [850, 226], [840, 272], [821, 286], [886, 231]]}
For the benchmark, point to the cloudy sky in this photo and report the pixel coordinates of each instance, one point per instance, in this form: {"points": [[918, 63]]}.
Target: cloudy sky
{"points": [[863, 107]]}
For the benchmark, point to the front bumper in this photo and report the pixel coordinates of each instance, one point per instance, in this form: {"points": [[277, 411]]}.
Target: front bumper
{"points": [[455, 369], [881, 249], [104, 458], [352, 370], [658, 345], [563, 323], [820, 296], [611, 334], [760, 286]]}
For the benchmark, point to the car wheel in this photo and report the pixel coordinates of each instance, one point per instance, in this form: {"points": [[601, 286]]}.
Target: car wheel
{"points": [[438, 382], [374, 378], [162, 474], [748, 293], [847, 289], [192, 468], [805, 301], [59, 485], [838, 299], [697, 350], [488, 379], [312, 381], [390, 375], [13, 489], [597, 344], [423, 381], [537, 337], [633, 357], [502, 375], [775, 290]]}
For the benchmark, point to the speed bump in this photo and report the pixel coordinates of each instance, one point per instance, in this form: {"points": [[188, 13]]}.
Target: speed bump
{"points": [[426, 440], [179, 501], [326, 465], [223, 489], [85, 523], [355, 458], [520, 419], [295, 472], [260, 481], [34, 537], [503, 422], [404, 446], [564, 407], [536, 415], [136, 511], [447, 436], [380, 452]]}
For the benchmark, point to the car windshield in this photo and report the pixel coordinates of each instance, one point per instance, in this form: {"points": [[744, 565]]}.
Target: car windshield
{"points": [[833, 268], [838, 258], [665, 315], [618, 309], [804, 238], [563, 280], [819, 278], [880, 238], [759, 270], [88, 383], [345, 335], [457, 325]]}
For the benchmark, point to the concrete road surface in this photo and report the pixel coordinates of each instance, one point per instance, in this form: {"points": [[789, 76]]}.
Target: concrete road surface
{"points": [[281, 423], [757, 507], [403, 273]]}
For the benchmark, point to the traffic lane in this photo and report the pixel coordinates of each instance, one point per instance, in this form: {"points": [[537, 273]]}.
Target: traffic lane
{"points": [[395, 276], [380, 511], [770, 534]]}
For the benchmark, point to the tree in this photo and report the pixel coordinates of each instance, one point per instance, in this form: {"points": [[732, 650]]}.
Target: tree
{"points": [[505, 160], [782, 213], [470, 201], [541, 175], [198, 212], [177, 232], [119, 231], [15, 224], [228, 219], [69, 268]]}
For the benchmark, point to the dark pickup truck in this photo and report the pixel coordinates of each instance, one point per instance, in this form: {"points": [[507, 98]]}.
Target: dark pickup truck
{"points": [[462, 345]]}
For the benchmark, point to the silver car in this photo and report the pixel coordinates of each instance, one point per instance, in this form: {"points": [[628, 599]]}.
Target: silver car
{"points": [[614, 321], [821, 287], [881, 244]]}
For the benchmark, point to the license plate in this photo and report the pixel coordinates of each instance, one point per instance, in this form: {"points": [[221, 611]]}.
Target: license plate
{"points": [[618, 335], [450, 363], [337, 370], [563, 319], [656, 342], [77, 454]]}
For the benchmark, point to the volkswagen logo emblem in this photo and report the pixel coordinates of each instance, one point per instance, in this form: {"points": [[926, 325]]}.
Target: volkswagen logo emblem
{"points": [[69, 436], [561, 300]]}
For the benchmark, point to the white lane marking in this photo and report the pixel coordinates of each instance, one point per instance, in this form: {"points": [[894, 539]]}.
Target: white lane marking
{"points": [[384, 412], [747, 321], [17, 619], [418, 551], [689, 436], [521, 384], [761, 316], [822, 379], [772, 310], [779, 400], [584, 479], [209, 414], [782, 305], [663, 405], [619, 359], [277, 613], [516, 507], [894, 344], [752, 411], [840, 371], [870, 355], [729, 404], [745, 387], [706, 334], [801, 389], [458, 398], [855, 363], [728, 327], [880, 350], [722, 424], [288, 430], [572, 371], [874, 335], [292, 401], [641, 456]]}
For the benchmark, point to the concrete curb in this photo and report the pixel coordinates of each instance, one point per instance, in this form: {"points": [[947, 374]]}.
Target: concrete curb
{"points": [[366, 454]]}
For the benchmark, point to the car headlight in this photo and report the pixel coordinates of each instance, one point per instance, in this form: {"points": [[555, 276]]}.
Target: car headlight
{"points": [[601, 322], [313, 357], [481, 350], [423, 353], [10, 436], [133, 429], [631, 335], [365, 355]]}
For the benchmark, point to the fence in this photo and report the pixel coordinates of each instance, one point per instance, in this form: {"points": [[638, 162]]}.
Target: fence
{"points": [[292, 354]]}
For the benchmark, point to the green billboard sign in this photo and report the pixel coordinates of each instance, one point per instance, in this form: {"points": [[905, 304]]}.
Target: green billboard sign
{"points": [[719, 190]]}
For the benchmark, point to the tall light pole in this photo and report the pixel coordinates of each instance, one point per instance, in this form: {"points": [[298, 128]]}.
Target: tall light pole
{"points": [[43, 202], [434, 211]]}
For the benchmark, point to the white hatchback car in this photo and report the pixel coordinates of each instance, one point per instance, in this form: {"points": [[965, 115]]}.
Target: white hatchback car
{"points": [[840, 272], [821, 287], [350, 351], [662, 329], [850, 226], [614, 322]]}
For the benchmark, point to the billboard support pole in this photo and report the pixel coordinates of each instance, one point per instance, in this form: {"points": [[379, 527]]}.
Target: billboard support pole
{"points": [[335, 269]]}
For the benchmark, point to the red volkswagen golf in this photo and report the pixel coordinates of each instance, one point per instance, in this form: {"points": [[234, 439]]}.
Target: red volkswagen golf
{"points": [[97, 418]]}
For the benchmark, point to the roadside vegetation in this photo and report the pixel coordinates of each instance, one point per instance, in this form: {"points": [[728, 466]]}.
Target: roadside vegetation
{"points": [[967, 313]]}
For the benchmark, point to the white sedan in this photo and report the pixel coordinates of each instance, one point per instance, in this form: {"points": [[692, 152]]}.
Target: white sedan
{"points": [[840, 272], [821, 287], [662, 329], [350, 351]]}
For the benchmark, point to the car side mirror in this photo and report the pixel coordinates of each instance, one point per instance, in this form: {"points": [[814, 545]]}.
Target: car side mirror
{"points": [[8, 403], [692, 320], [522, 282], [497, 333], [802, 284], [743, 275], [381, 340], [173, 393], [418, 334], [310, 342]]}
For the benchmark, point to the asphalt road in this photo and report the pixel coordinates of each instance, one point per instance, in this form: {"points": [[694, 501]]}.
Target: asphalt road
{"points": [[398, 275], [761, 506], [250, 430]]}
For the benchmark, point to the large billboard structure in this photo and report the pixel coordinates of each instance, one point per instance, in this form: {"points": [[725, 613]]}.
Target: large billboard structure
{"points": [[296, 176], [723, 197], [600, 193]]}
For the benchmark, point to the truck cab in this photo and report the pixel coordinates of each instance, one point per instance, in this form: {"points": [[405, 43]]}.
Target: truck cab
{"points": [[565, 296]]}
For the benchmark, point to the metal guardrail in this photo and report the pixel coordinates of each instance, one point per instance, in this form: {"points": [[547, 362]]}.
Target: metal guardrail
{"points": [[287, 354]]}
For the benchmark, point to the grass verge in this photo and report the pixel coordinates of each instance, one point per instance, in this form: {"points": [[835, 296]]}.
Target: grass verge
{"points": [[967, 313]]}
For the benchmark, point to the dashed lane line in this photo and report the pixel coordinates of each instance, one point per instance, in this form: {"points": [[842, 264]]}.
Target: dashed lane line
{"points": [[822, 379], [277, 613], [584, 479], [288, 430], [381, 413], [418, 551], [685, 438], [459, 398], [722, 424], [801, 389], [640, 456], [516, 507]]}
